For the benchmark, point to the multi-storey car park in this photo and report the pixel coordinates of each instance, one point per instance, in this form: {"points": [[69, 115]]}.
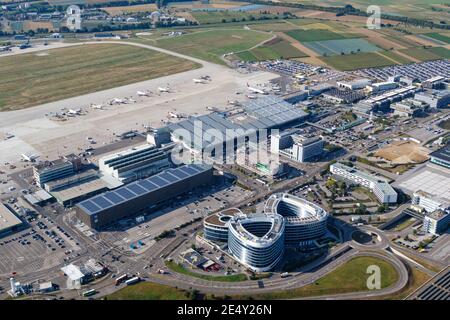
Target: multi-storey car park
{"points": [[304, 221], [257, 240], [141, 195]]}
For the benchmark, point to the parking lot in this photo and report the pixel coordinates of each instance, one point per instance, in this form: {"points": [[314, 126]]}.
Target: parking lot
{"points": [[43, 245]]}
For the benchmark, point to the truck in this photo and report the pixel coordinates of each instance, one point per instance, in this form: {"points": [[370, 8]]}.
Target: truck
{"points": [[121, 279], [89, 293]]}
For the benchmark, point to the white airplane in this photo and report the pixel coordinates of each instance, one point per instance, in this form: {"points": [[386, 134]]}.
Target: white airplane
{"points": [[255, 90], [74, 111], [176, 115], [251, 96], [198, 80], [117, 101], [97, 106], [233, 102], [164, 89], [143, 93], [132, 100], [29, 157]]}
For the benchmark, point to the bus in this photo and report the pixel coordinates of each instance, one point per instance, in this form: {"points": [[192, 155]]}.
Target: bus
{"points": [[132, 281], [121, 279], [89, 293]]}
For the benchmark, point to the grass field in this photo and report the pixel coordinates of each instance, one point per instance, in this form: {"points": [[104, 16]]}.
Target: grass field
{"points": [[336, 47], [230, 278], [211, 44], [350, 277], [357, 61], [439, 36], [400, 59], [427, 54], [276, 49], [148, 291], [205, 17], [67, 72], [319, 35]]}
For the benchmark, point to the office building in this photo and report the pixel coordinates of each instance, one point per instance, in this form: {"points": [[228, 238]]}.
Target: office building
{"points": [[257, 241], [429, 202], [436, 99], [382, 86], [304, 221], [215, 226], [380, 187], [304, 148], [141, 196], [136, 163], [441, 157], [409, 108], [52, 170], [436, 222]]}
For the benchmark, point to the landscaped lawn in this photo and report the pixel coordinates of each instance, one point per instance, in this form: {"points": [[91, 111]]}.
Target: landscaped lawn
{"points": [[181, 269], [148, 291]]}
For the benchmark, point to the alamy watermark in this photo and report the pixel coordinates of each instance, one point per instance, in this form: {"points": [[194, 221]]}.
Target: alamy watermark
{"points": [[374, 280], [73, 21], [374, 19]]}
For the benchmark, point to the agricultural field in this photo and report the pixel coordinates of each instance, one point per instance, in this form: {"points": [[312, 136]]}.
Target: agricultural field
{"points": [[67, 72], [350, 62], [336, 47], [319, 35], [211, 44], [427, 54], [275, 49], [117, 11], [149, 291], [439, 36], [395, 57], [207, 17]]}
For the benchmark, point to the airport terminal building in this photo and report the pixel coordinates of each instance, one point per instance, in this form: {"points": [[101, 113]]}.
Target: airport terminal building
{"points": [[145, 194]]}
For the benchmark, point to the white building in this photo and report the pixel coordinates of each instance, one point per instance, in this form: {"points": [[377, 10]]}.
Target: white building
{"points": [[436, 99], [409, 108], [135, 163], [382, 86], [355, 84], [303, 148], [429, 202], [436, 222], [380, 187]]}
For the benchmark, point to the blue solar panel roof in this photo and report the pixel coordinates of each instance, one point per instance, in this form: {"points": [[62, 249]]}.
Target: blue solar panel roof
{"points": [[133, 190]]}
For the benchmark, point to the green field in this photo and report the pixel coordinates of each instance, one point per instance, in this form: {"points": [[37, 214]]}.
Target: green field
{"points": [[276, 49], [400, 59], [148, 291], [181, 269], [319, 35], [35, 78], [336, 47], [427, 54], [350, 277], [438, 36], [357, 61], [210, 45], [205, 17]]}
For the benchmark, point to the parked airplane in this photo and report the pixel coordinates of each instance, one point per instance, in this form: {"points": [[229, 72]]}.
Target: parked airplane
{"points": [[164, 89], [251, 96], [143, 93], [29, 157], [177, 115], [117, 101], [97, 106], [233, 102], [255, 90], [74, 111]]}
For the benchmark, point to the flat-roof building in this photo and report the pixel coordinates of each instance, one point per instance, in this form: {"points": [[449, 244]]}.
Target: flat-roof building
{"points": [[141, 195], [436, 98], [441, 157], [429, 202], [380, 187], [9, 222], [52, 170], [304, 148], [436, 222], [409, 108]]}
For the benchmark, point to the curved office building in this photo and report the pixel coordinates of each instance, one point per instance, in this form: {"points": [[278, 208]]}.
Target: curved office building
{"points": [[215, 226], [304, 221], [257, 241]]}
